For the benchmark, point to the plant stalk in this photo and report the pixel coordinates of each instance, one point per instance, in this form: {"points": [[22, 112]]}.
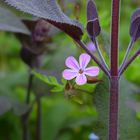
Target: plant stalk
{"points": [[25, 117], [114, 80], [38, 123], [113, 112]]}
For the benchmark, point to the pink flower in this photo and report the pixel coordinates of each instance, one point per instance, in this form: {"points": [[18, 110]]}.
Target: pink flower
{"points": [[79, 71]]}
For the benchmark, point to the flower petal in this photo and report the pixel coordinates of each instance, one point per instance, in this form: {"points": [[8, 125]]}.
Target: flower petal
{"points": [[84, 60], [81, 79], [72, 63], [92, 71], [69, 74]]}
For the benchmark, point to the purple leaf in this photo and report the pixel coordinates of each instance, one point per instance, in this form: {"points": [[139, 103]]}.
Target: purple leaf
{"points": [[11, 23], [93, 26], [49, 10], [135, 25]]}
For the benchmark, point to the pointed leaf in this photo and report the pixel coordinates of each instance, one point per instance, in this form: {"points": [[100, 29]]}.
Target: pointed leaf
{"points": [[50, 11], [10, 22], [135, 25], [93, 26]]}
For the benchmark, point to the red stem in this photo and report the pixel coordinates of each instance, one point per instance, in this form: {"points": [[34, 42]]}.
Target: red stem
{"points": [[114, 37], [113, 114], [114, 80]]}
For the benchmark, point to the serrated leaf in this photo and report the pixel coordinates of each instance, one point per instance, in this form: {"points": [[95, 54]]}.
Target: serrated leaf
{"points": [[129, 126], [11, 23], [52, 81], [50, 11], [135, 25]]}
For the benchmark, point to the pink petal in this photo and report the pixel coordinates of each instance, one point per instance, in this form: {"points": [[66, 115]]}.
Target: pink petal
{"points": [[84, 60], [72, 63], [69, 74], [81, 79], [92, 71]]}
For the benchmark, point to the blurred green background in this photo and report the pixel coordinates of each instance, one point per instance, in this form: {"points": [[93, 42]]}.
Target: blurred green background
{"points": [[63, 118]]}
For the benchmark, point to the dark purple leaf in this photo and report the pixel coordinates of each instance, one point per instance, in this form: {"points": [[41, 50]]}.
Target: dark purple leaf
{"points": [[135, 25], [10, 22], [50, 11], [93, 26]]}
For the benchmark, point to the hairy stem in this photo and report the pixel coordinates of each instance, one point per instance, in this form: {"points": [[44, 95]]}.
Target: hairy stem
{"points": [[129, 62], [114, 82], [126, 55], [93, 57], [25, 117], [113, 112]]}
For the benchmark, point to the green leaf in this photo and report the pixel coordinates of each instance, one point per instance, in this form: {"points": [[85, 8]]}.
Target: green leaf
{"points": [[129, 126], [52, 81], [53, 119], [49, 10]]}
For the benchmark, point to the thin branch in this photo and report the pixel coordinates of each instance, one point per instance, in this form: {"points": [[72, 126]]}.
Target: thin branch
{"points": [[129, 62], [25, 117], [93, 57], [100, 54], [38, 123], [127, 54]]}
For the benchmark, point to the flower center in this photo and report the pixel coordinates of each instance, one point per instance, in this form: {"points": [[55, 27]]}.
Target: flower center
{"points": [[81, 71]]}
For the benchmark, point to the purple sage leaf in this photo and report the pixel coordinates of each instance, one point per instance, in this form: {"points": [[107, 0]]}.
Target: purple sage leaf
{"points": [[11, 23], [135, 25], [50, 10], [93, 25]]}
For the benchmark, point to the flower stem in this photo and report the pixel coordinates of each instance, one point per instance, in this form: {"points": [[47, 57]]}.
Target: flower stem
{"points": [[114, 80], [25, 117], [38, 123], [113, 113], [100, 54], [129, 62], [126, 55]]}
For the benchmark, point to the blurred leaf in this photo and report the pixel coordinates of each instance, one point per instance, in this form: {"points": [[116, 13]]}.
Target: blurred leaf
{"points": [[5, 105], [20, 108], [50, 11], [54, 118], [129, 128], [10, 22], [8, 104]]}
